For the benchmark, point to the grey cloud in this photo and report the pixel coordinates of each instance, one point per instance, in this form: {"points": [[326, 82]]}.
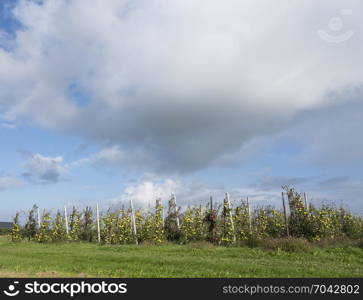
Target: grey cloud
{"points": [[332, 135], [334, 182], [343, 191], [42, 169], [268, 182], [176, 85]]}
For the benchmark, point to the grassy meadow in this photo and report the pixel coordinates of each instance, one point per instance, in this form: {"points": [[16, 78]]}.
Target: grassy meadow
{"points": [[79, 259]]}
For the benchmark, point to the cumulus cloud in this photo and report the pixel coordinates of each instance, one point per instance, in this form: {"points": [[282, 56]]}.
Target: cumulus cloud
{"points": [[43, 169], [9, 182], [181, 84], [147, 189]]}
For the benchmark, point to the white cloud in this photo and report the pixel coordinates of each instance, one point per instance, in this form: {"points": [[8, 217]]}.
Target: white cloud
{"points": [[342, 191], [147, 189], [180, 84], [44, 169]]}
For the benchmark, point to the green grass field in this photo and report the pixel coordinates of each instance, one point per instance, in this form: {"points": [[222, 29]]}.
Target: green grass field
{"points": [[28, 259]]}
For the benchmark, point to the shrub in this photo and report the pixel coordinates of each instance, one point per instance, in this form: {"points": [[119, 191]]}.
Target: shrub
{"points": [[44, 233], [124, 227], [157, 224], [30, 228], [74, 225], [289, 244], [87, 231], [172, 231], [58, 232], [16, 229], [224, 225]]}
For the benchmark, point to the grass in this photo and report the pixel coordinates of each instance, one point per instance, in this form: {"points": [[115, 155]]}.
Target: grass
{"points": [[29, 259]]}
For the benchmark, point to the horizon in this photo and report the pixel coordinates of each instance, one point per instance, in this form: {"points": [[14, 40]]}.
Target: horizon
{"points": [[120, 100]]}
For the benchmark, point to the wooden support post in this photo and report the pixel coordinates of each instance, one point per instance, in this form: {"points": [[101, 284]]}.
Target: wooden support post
{"points": [[98, 224], [285, 214], [133, 221], [176, 211], [230, 216], [38, 212], [158, 203], [249, 214], [290, 195], [211, 202], [66, 219], [163, 216], [306, 202]]}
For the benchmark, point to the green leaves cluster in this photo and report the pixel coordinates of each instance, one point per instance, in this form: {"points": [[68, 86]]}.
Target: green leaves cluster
{"points": [[222, 225]]}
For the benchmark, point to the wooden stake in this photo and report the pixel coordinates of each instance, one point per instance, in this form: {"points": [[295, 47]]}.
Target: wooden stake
{"points": [[306, 201], [163, 216], [289, 200], [98, 224], [249, 214], [133, 221], [285, 215], [230, 216], [176, 211], [38, 217], [66, 218], [211, 202], [158, 203]]}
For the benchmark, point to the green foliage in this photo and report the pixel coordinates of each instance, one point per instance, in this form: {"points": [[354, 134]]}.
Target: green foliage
{"points": [[290, 244], [211, 219], [158, 234], [193, 225], [222, 226], [124, 232], [30, 228], [228, 233], [87, 227], [171, 222], [74, 225], [58, 232], [44, 233], [108, 235], [242, 222], [16, 229]]}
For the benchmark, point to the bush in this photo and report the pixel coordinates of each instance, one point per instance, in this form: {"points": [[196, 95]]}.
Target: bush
{"points": [[5, 231], [223, 225], [287, 244], [360, 243]]}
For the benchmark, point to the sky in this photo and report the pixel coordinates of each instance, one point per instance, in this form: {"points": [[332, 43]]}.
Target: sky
{"points": [[106, 101]]}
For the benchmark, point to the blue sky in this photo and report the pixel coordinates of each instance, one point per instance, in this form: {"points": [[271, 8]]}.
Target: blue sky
{"points": [[106, 102]]}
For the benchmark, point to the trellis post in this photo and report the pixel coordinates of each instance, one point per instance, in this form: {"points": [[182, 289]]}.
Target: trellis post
{"points": [[230, 216], [133, 221], [285, 215], [38, 212], [98, 224], [306, 201], [249, 214], [66, 219], [176, 211]]}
